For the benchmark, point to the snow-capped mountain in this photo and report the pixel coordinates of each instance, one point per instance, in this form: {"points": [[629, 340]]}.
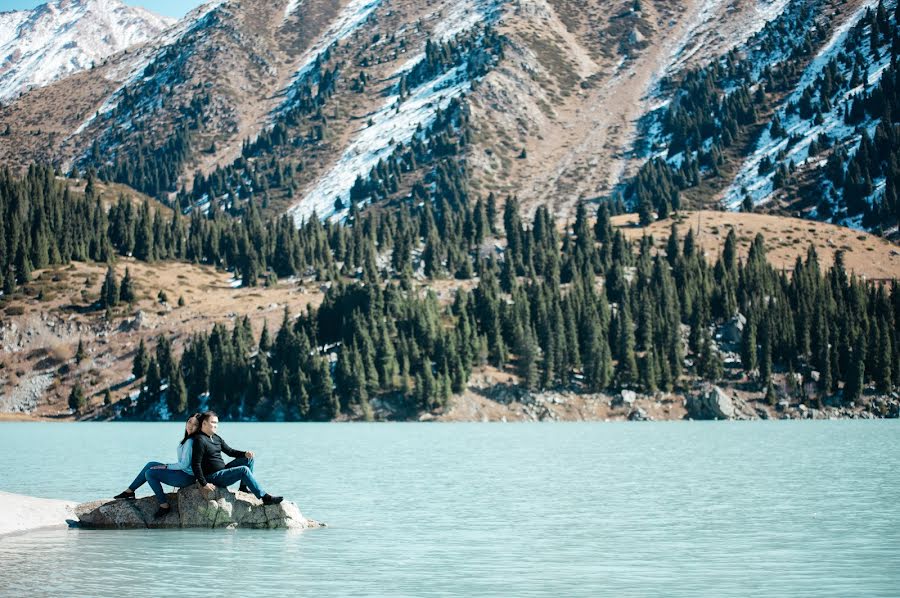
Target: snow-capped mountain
{"points": [[63, 37], [319, 106]]}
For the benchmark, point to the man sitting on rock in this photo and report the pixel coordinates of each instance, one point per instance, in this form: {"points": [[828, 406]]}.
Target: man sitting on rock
{"points": [[210, 469]]}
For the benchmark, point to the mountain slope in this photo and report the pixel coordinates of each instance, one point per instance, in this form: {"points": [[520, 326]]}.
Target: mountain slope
{"points": [[62, 37], [309, 107]]}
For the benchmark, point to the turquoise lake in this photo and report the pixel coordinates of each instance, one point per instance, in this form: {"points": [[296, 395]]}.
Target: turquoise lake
{"points": [[582, 509]]}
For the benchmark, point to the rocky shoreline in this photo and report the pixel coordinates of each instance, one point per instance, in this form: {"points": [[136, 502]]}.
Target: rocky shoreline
{"points": [[706, 402]]}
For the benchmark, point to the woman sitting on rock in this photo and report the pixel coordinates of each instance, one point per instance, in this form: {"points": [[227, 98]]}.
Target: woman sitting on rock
{"points": [[177, 474]]}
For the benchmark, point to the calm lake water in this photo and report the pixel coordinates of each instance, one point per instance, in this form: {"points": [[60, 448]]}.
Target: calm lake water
{"points": [[618, 509]]}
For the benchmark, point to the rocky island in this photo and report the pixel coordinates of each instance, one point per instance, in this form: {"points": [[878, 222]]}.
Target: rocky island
{"points": [[191, 509]]}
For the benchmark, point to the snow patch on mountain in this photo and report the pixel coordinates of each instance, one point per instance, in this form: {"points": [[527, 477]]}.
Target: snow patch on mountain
{"points": [[391, 127], [703, 27], [63, 37], [291, 8], [373, 143], [462, 16], [349, 20], [131, 71], [760, 187]]}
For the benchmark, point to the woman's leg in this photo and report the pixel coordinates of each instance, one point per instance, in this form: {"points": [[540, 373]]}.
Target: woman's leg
{"points": [[171, 477], [142, 477], [225, 477]]}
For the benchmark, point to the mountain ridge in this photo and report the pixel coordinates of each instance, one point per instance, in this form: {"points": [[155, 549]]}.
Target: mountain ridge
{"points": [[62, 37]]}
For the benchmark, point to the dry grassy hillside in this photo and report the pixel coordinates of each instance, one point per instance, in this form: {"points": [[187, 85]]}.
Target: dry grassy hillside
{"points": [[866, 255]]}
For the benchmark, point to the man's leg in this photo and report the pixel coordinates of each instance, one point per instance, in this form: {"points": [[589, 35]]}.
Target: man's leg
{"points": [[241, 462], [171, 477], [225, 477], [238, 463]]}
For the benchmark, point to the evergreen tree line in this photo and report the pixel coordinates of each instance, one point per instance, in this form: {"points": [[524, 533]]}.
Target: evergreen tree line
{"points": [[539, 311], [43, 223]]}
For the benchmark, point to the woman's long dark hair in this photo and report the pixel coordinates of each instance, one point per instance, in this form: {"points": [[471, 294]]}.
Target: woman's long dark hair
{"points": [[186, 435]]}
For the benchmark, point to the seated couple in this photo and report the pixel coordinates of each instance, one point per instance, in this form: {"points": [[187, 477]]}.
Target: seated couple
{"points": [[200, 460]]}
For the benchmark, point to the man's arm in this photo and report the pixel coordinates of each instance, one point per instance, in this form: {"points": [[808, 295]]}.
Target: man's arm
{"points": [[199, 449], [230, 451]]}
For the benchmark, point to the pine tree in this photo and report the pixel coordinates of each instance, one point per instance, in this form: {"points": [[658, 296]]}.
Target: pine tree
{"points": [[885, 356], [324, 405], [528, 358], [153, 386], [80, 352], [126, 290], [765, 355], [597, 363], [176, 395], [109, 294], [771, 397], [627, 370], [265, 342], [164, 359], [77, 400], [853, 387], [649, 374], [748, 346], [141, 362]]}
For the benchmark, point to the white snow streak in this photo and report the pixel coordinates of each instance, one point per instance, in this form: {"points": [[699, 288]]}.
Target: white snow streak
{"points": [[291, 8], [463, 16], [760, 187], [371, 144], [349, 20], [135, 69]]}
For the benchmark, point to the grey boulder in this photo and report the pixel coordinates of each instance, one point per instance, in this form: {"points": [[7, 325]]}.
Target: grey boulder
{"points": [[710, 402], [191, 508]]}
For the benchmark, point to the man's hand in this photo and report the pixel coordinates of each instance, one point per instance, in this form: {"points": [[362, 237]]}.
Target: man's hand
{"points": [[159, 467], [249, 454], [209, 487]]}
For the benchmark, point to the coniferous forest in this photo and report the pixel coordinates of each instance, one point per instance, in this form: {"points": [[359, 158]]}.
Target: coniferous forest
{"points": [[580, 308]]}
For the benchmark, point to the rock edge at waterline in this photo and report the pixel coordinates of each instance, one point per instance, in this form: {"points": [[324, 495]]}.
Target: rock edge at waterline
{"points": [[190, 509]]}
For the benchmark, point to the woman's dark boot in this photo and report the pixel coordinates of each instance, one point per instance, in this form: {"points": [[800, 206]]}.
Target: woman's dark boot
{"points": [[124, 496], [268, 499], [162, 512]]}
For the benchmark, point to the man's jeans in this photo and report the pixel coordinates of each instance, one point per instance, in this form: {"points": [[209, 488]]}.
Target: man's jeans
{"points": [[170, 477], [239, 470]]}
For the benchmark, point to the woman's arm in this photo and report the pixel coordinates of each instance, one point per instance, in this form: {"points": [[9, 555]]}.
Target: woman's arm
{"points": [[184, 457]]}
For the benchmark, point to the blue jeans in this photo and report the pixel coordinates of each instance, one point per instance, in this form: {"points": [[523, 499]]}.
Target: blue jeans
{"points": [[239, 470], [142, 477], [170, 477]]}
